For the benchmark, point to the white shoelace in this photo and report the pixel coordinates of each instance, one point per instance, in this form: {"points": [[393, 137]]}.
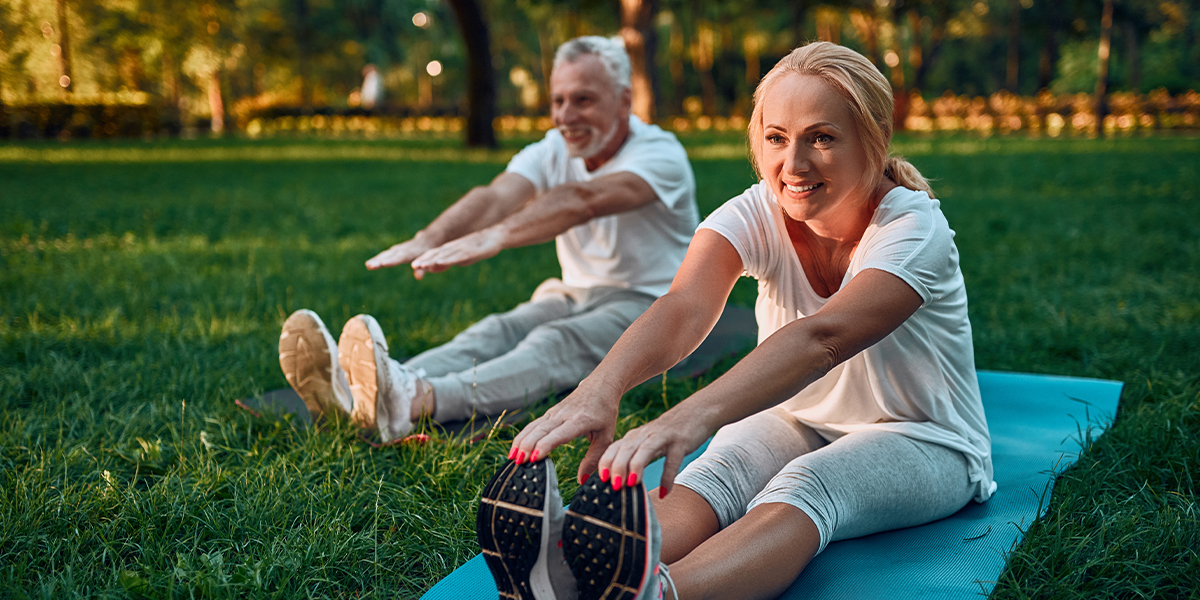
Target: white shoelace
{"points": [[665, 580]]}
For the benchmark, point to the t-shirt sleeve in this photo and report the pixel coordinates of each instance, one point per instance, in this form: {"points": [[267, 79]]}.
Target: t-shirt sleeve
{"points": [[916, 245], [532, 163], [663, 164], [746, 222]]}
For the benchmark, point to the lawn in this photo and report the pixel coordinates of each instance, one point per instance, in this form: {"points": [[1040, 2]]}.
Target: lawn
{"points": [[143, 285]]}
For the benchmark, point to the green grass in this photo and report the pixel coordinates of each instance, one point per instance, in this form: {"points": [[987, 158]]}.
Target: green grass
{"points": [[142, 287]]}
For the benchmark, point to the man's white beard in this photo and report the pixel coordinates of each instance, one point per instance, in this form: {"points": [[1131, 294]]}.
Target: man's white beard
{"points": [[599, 142]]}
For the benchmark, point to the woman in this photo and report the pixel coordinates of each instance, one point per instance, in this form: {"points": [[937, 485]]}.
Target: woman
{"points": [[858, 412]]}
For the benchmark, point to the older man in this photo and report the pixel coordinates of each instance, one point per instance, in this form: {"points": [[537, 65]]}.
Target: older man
{"points": [[616, 195]]}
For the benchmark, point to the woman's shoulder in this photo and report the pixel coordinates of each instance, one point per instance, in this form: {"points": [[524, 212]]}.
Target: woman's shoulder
{"points": [[906, 208]]}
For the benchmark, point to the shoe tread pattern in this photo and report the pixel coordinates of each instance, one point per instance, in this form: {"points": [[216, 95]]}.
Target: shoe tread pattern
{"points": [[509, 526], [306, 362], [604, 540]]}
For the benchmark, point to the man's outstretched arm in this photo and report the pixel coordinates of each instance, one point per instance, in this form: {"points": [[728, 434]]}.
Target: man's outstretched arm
{"points": [[541, 219], [479, 208]]}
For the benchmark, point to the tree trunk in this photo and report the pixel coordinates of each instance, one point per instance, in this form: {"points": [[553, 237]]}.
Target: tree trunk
{"points": [[916, 50], [1133, 55], [1049, 54], [64, 44], [304, 35], [702, 61], [481, 77], [547, 55], [637, 29], [798, 13], [1012, 70], [675, 56], [1102, 75], [215, 104]]}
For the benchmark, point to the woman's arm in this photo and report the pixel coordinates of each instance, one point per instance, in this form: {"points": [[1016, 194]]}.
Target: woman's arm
{"points": [[869, 308], [665, 334]]}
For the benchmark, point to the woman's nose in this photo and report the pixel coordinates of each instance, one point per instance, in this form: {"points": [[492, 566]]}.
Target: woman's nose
{"points": [[798, 160]]}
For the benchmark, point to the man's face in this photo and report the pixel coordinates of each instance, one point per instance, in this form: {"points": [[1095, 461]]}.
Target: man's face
{"points": [[587, 108]]}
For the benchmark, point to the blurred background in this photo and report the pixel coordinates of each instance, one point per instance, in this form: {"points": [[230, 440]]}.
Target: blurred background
{"points": [[73, 69]]}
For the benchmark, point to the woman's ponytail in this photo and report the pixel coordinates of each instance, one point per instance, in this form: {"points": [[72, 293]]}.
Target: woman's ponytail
{"points": [[905, 174]]}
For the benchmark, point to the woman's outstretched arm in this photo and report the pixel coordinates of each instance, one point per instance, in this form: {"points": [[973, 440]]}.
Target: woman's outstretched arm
{"points": [[664, 335], [869, 308]]}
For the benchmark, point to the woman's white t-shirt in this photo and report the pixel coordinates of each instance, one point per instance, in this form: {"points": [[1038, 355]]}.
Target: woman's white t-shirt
{"points": [[918, 381]]}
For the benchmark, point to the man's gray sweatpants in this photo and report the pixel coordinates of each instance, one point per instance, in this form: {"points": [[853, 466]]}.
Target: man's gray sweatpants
{"points": [[509, 360]]}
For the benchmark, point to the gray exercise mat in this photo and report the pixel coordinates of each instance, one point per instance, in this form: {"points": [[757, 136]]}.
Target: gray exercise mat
{"points": [[1036, 422]]}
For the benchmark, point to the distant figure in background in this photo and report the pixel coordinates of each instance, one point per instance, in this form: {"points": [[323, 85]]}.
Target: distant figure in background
{"points": [[372, 90], [618, 197]]}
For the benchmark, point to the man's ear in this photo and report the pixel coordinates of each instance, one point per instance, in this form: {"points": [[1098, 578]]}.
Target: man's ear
{"points": [[627, 99]]}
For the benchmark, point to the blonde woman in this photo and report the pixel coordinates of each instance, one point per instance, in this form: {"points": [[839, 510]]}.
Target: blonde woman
{"points": [[858, 412]]}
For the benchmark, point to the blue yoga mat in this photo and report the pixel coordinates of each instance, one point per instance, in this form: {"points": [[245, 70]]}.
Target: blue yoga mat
{"points": [[1037, 423]]}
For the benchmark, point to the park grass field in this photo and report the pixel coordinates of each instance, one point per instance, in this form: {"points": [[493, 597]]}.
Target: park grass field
{"points": [[143, 284]]}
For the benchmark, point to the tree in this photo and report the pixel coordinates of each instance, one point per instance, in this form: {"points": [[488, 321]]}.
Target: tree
{"points": [[481, 77], [1103, 54], [641, 39]]}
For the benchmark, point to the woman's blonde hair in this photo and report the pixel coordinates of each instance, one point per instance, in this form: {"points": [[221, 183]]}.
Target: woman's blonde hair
{"points": [[870, 101]]}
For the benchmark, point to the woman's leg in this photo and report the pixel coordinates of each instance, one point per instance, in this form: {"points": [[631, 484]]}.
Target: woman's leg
{"points": [[759, 556], [713, 491], [860, 484]]}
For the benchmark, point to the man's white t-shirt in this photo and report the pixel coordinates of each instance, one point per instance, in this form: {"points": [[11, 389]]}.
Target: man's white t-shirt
{"points": [[639, 249], [918, 381]]}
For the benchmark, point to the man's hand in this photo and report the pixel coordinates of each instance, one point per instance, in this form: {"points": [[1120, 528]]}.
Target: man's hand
{"points": [[400, 254], [466, 250]]}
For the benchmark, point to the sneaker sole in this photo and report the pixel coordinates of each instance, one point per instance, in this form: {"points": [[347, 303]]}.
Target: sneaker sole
{"points": [[306, 360], [510, 527], [605, 537], [362, 351]]}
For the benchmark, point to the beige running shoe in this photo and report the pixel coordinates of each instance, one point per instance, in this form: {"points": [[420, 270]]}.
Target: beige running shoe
{"points": [[383, 389], [309, 360]]}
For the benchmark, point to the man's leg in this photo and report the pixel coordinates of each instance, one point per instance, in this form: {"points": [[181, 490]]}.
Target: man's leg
{"points": [[492, 336], [553, 357]]}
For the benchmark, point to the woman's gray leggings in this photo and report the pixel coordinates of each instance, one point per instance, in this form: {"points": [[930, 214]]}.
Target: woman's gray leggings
{"points": [[861, 483]]}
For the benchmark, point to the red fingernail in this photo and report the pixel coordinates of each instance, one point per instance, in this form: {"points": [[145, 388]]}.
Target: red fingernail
{"points": [[604, 475], [533, 457], [616, 484], [520, 457], [632, 480], [662, 493], [511, 453]]}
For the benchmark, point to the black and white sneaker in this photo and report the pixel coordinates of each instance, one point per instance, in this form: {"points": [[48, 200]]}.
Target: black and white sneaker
{"points": [[519, 527], [611, 540]]}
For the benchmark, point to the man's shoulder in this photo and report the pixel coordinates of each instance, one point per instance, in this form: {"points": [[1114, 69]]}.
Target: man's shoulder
{"points": [[650, 145]]}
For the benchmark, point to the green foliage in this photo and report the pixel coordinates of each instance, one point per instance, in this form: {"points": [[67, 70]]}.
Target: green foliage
{"points": [[142, 287]]}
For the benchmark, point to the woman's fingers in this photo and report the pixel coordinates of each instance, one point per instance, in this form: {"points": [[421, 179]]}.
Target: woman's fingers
{"points": [[591, 461]]}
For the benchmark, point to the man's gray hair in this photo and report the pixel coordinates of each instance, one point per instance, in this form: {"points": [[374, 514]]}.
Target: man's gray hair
{"points": [[610, 51]]}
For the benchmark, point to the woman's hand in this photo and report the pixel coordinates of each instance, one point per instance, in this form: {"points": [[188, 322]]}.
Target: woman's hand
{"points": [[673, 435], [591, 411]]}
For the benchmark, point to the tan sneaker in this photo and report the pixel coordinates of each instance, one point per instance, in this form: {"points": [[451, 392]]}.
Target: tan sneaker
{"points": [[383, 389], [309, 360]]}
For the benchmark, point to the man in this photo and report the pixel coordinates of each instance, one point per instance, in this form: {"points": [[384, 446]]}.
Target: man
{"points": [[618, 198]]}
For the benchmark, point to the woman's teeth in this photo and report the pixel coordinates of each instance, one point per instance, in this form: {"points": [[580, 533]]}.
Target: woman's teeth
{"points": [[803, 188]]}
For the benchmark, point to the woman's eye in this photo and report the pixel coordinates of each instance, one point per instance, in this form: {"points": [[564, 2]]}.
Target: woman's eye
{"points": [[775, 138], [823, 138]]}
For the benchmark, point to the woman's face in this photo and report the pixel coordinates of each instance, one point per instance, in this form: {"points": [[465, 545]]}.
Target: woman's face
{"points": [[812, 157]]}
